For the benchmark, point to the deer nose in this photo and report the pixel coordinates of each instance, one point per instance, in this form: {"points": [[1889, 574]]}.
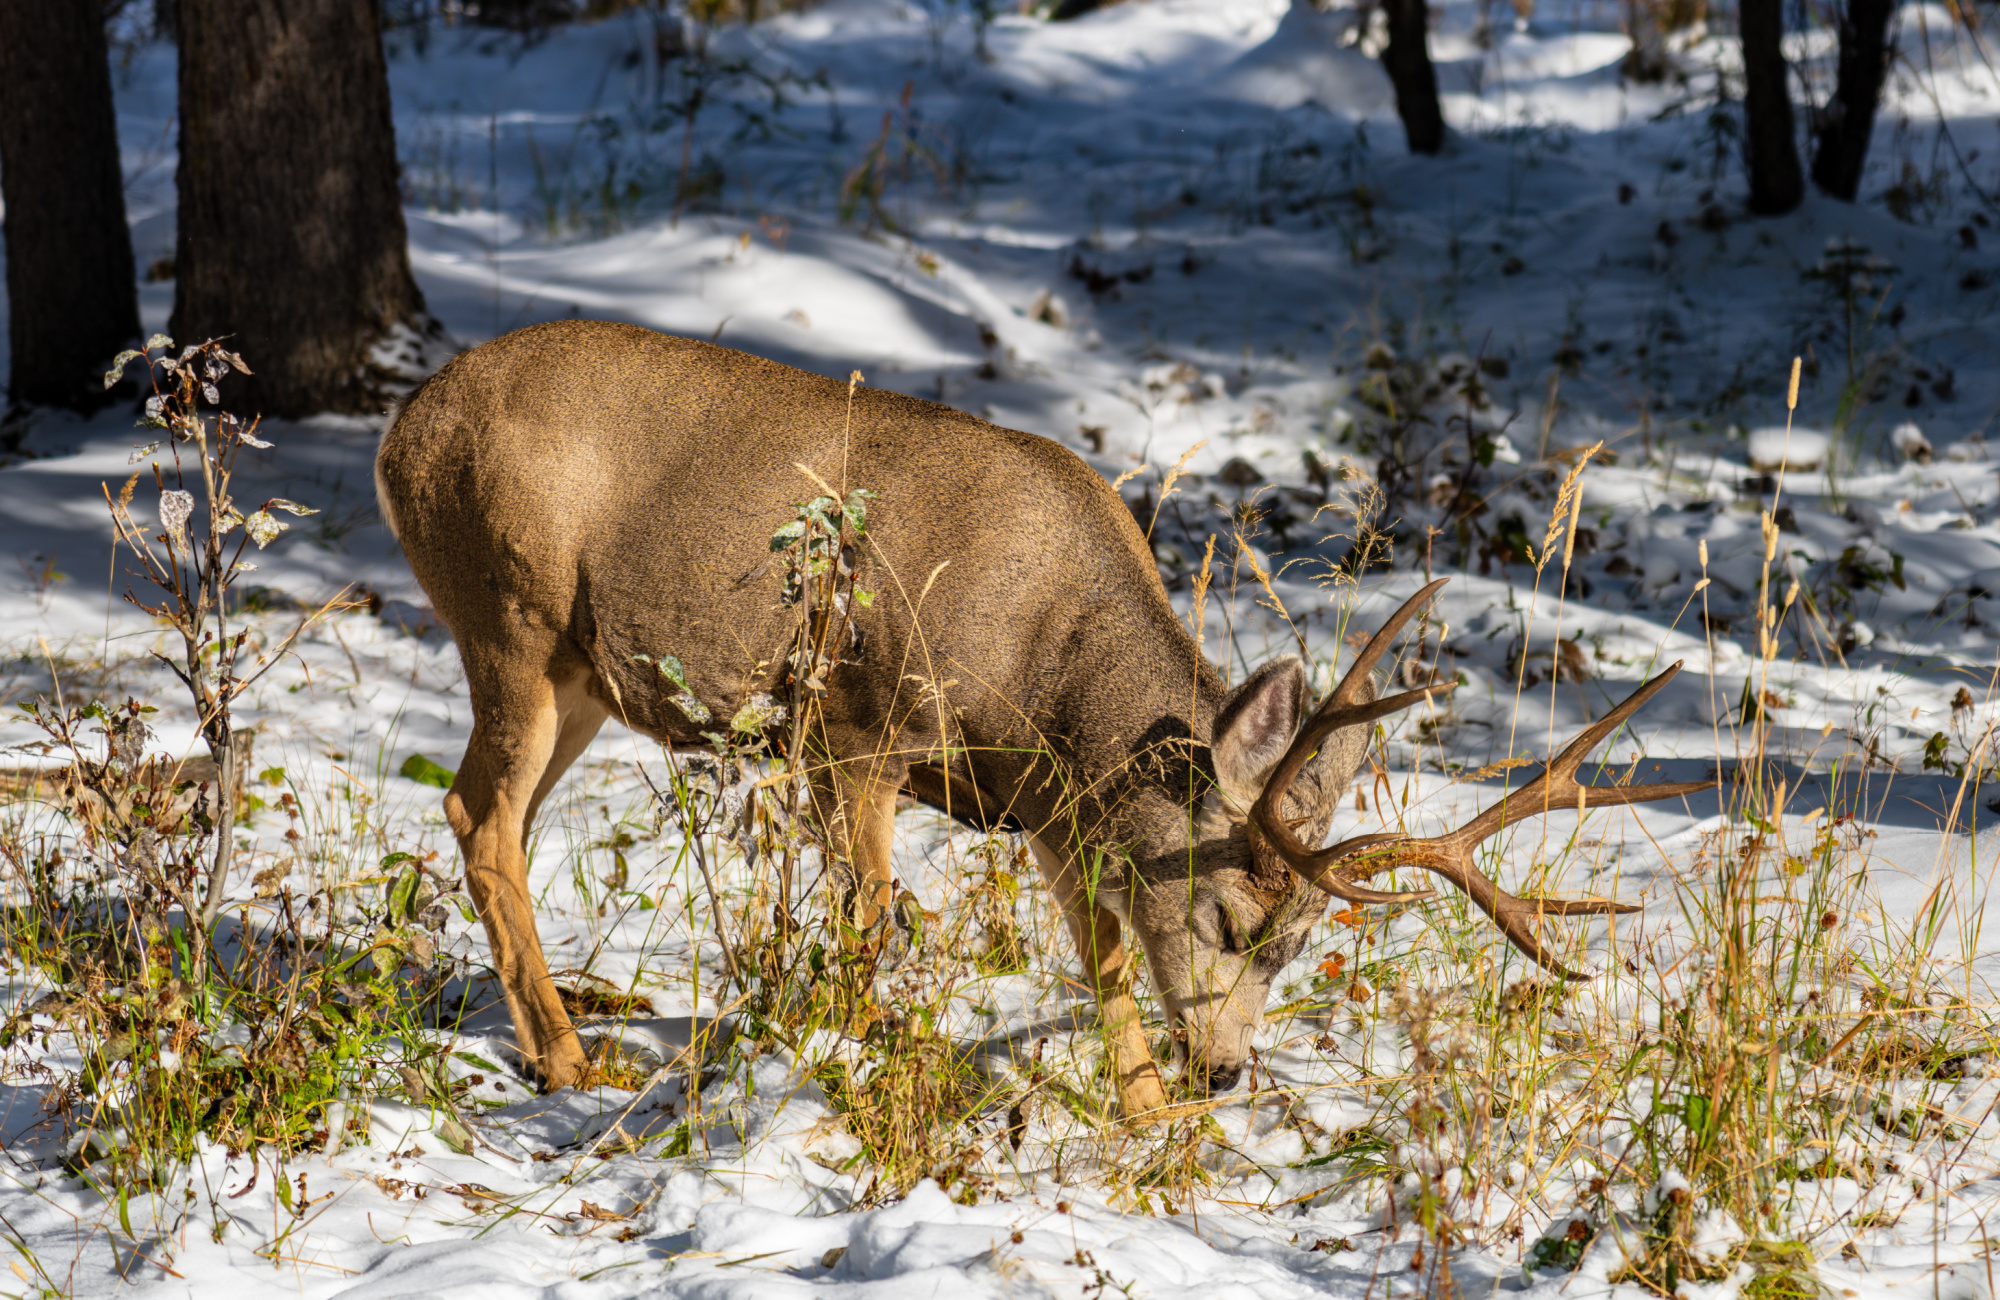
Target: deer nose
{"points": [[1223, 1078]]}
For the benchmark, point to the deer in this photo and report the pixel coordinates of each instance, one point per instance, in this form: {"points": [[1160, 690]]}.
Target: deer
{"points": [[579, 497]]}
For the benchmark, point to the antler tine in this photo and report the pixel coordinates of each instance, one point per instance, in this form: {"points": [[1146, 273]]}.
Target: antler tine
{"points": [[1515, 916], [1357, 675], [1450, 856], [1557, 786], [1343, 707]]}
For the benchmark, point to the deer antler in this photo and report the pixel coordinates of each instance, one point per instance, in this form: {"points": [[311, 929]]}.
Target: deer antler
{"points": [[1341, 869], [1343, 707]]}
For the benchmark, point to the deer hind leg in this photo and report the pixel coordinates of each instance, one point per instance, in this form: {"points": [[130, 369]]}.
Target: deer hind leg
{"points": [[1100, 942], [580, 717], [855, 803], [528, 724]]}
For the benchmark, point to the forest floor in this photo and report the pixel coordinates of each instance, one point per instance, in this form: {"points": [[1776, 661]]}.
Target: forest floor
{"points": [[1180, 235]]}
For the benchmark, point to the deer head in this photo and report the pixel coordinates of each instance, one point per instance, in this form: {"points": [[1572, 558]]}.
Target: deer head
{"points": [[1217, 935]]}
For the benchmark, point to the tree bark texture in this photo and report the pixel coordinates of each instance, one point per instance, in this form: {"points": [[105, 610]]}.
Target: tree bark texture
{"points": [[1407, 59], [1840, 147], [1776, 182], [291, 238], [71, 302]]}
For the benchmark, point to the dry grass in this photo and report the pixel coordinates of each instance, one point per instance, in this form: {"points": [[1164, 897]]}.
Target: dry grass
{"points": [[1771, 1042]]}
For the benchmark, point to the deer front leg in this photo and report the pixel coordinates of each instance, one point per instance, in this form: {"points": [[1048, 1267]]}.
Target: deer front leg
{"points": [[856, 806], [1100, 942]]}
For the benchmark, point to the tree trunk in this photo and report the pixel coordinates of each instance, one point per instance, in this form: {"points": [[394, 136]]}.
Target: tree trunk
{"points": [[1841, 139], [1407, 59], [291, 238], [1647, 62], [71, 303], [1776, 183]]}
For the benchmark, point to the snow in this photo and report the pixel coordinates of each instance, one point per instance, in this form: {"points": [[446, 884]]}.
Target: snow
{"points": [[1781, 448], [1176, 230]]}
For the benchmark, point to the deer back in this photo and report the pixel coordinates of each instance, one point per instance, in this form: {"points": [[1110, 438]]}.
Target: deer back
{"points": [[614, 492]]}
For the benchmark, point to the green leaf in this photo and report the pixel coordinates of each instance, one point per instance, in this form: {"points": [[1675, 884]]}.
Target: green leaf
{"points": [[272, 776], [1694, 1112], [857, 508], [789, 534], [421, 770], [403, 896], [758, 712], [673, 670]]}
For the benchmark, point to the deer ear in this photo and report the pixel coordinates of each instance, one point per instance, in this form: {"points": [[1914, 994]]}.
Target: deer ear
{"points": [[1254, 727]]}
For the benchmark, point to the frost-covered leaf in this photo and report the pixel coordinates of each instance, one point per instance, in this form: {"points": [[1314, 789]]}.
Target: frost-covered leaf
{"points": [[159, 341], [118, 364], [787, 535], [289, 507], [857, 508], [758, 712], [156, 405], [236, 361], [243, 566], [141, 453], [175, 508], [673, 671], [210, 392], [694, 708], [263, 529], [252, 440]]}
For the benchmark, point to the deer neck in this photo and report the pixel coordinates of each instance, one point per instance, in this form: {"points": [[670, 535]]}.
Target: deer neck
{"points": [[1134, 743]]}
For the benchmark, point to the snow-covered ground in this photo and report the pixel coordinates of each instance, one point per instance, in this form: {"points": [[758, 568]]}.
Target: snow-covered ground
{"points": [[1175, 232]]}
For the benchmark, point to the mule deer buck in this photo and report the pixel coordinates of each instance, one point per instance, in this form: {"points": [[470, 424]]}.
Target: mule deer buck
{"points": [[579, 494]]}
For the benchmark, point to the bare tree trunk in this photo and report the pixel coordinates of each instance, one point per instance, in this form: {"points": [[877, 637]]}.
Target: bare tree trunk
{"points": [[291, 237], [1646, 62], [1407, 59], [1776, 183], [1841, 138], [70, 298]]}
